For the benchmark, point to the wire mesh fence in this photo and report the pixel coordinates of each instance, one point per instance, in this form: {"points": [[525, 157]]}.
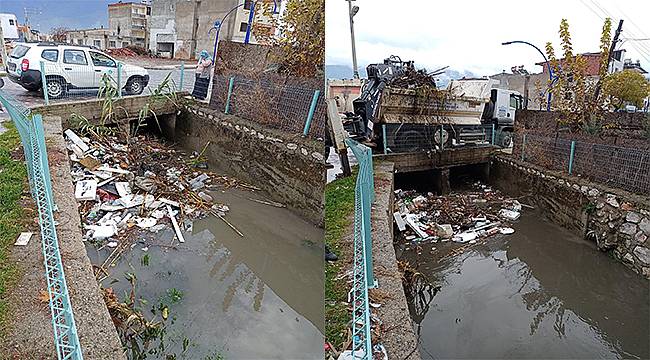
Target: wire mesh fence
{"points": [[32, 136], [409, 138], [290, 108], [63, 81], [622, 167]]}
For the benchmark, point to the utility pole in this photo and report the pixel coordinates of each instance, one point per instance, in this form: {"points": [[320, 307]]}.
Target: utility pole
{"points": [[353, 10], [609, 57]]}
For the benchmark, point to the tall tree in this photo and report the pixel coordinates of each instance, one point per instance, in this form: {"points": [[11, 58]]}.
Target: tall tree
{"points": [[300, 37], [626, 87]]}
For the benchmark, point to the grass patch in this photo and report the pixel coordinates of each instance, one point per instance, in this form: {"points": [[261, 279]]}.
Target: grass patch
{"points": [[339, 205], [12, 185]]}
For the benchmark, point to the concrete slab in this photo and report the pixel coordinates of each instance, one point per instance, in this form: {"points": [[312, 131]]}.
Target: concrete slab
{"points": [[397, 335], [31, 334]]}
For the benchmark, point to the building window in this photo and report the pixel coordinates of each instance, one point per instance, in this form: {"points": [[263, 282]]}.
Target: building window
{"points": [[125, 43], [97, 43], [243, 27], [248, 4], [80, 41], [148, 10], [111, 44], [11, 21], [77, 57], [50, 55]]}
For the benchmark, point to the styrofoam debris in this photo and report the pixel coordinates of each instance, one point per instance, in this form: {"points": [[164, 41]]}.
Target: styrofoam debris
{"points": [[23, 238], [509, 214], [399, 220], [465, 237], [85, 190], [144, 223], [112, 244], [123, 188], [76, 140], [506, 230], [101, 231]]}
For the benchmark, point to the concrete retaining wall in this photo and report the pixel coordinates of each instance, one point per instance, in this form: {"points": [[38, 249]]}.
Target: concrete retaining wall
{"points": [[125, 107], [290, 168], [400, 340], [619, 222], [31, 334]]}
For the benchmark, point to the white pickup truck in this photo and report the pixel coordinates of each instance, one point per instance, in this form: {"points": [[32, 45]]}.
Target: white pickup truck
{"points": [[69, 67]]}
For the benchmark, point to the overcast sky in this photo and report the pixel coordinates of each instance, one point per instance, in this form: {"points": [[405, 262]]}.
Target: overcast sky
{"points": [[467, 34]]}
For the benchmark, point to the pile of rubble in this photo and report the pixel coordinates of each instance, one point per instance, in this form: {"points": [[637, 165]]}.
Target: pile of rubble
{"points": [[145, 186], [460, 217], [121, 52]]}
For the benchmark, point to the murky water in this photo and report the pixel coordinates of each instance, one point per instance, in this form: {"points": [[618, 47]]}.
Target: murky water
{"points": [[539, 293], [254, 297]]}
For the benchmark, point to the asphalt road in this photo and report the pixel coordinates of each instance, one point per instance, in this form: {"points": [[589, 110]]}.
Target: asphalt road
{"points": [[31, 99]]}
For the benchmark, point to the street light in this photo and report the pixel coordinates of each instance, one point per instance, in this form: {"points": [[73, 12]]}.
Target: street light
{"points": [[353, 10], [550, 71], [217, 25]]}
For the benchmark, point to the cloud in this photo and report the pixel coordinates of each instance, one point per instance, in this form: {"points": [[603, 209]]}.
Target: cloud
{"points": [[467, 35]]}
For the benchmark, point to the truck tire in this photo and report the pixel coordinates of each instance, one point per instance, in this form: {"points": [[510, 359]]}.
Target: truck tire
{"points": [[56, 88], [135, 86]]}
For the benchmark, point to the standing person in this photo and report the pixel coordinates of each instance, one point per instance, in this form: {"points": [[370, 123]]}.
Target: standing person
{"points": [[202, 77]]}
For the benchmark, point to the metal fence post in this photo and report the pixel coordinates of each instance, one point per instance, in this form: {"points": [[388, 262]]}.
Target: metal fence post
{"points": [[523, 149], [310, 115], [572, 156], [119, 79], [230, 85], [493, 133], [180, 85], [383, 130], [44, 84]]}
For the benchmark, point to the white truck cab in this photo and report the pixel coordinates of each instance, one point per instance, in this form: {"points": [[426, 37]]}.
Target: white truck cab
{"points": [[70, 67]]}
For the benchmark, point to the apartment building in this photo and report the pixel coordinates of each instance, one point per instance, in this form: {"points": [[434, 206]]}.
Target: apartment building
{"points": [[181, 28], [130, 20]]}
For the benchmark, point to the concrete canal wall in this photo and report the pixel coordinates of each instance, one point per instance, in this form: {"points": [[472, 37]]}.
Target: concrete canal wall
{"points": [[397, 333], [290, 168], [618, 221], [31, 335]]}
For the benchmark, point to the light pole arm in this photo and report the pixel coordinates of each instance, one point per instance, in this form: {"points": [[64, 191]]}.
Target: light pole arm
{"points": [[550, 70]]}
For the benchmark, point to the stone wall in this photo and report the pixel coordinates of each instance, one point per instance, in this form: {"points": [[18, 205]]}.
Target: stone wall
{"points": [[290, 168], [618, 221], [623, 129]]}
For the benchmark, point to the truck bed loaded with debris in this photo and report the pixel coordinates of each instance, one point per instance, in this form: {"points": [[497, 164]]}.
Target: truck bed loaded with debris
{"points": [[143, 186], [405, 106]]}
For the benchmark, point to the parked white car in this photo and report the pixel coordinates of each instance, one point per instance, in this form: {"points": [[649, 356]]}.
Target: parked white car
{"points": [[70, 67]]}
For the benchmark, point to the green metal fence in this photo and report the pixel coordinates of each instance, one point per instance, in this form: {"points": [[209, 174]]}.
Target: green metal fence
{"points": [[362, 272], [32, 136]]}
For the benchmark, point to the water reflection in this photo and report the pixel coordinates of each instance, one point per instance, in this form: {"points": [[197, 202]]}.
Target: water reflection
{"points": [[540, 293], [252, 297]]}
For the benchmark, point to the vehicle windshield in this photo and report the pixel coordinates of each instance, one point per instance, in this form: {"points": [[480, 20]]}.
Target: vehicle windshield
{"points": [[19, 51]]}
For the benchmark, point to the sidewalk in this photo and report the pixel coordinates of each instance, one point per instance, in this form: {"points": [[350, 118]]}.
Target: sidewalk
{"points": [[151, 63]]}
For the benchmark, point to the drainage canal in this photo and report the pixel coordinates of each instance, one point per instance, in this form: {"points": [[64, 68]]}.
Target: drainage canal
{"points": [[243, 284], [540, 292]]}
